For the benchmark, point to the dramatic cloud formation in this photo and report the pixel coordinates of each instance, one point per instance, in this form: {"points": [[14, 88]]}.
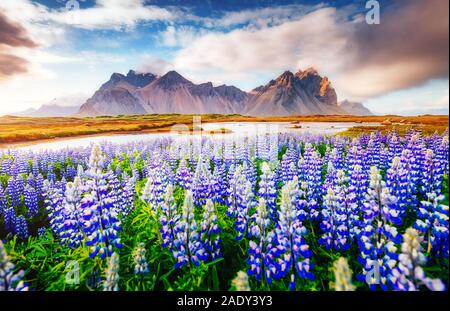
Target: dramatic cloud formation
{"points": [[277, 47], [408, 48], [12, 36]]}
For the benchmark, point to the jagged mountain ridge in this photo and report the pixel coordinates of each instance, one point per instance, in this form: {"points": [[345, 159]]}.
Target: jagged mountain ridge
{"points": [[302, 93]]}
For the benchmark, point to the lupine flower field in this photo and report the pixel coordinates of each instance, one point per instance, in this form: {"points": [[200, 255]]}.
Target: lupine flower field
{"points": [[270, 212]]}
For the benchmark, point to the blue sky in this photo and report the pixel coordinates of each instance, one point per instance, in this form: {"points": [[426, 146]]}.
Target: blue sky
{"points": [[399, 66]]}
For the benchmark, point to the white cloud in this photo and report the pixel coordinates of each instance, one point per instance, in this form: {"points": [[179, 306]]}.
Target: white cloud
{"points": [[111, 14], [106, 14], [263, 17], [154, 65], [180, 36], [298, 43]]}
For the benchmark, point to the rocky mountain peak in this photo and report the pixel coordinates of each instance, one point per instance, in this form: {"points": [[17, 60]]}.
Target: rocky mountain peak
{"points": [[286, 79], [173, 77], [311, 71]]}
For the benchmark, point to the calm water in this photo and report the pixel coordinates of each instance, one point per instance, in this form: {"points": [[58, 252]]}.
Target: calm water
{"points": [[236, 128]]}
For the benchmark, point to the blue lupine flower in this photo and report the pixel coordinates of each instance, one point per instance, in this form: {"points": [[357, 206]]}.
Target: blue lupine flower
{"points": [[169, 218], [220, 183], [12, 190], [9, 280], [288, 168], [246, 203], [313, 174], [183, 175], [359, 181], [41, 231], [267, 189], [378, 236], [140, 261], [308, 208], [101, 219], [21, 227], [31, 201], [433, 223], [9, 216], [408, 275], [210, 231], [432, 174], [156, 184], [334, 223], [292, 247], [236, 184], [261, 246], [249, 170], [380, 203], [72, 232], [187, 246], [397, 182], [3, 202], [203, 185]]}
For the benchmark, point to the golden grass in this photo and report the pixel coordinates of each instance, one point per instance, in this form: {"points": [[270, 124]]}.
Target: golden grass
{"points": [[23, 129]]}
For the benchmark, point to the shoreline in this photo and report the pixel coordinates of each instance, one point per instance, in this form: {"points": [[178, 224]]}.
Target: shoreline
{"points": [[28, 128]]}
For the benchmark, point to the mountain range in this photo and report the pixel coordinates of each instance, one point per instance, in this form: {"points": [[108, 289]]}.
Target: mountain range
{"points": [[59, 107], [302, 93]]}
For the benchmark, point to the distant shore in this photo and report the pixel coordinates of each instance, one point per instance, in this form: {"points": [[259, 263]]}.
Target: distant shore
{"points": [[17, 131]]}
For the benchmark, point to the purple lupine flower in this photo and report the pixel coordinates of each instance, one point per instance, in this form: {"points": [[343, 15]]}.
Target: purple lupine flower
{"points": [[39, 186], [156, 184], [72, 232], [31, 201], [249, 170], [220, 183], [140, 261], [187, 246], [236, 181], [397, 182], [53, 202], [262, 249], [378, 236], [169, 218], [21, 227], [203, 184], [359, 180], [9, 217], [432, 174], [10, 280], [101, 219], [267, 189], [313, 174], [433, 223], [184, 175], [210, 231], [3, 202], [308, 208], [288, 168], [12, 190], [334, 223], [290, 232], [246, 203], [41, 231], [409, 275]]}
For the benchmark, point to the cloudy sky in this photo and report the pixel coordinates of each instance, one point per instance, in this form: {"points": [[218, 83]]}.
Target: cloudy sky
{"points": [[399, 66]]}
